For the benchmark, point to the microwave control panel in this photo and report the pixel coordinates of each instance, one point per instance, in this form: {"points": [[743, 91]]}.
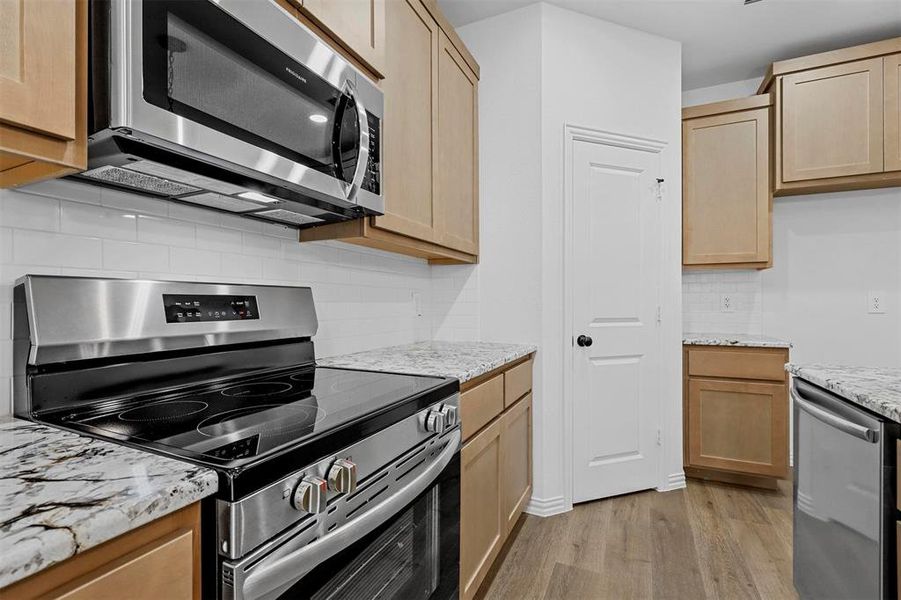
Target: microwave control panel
{"points": [[198, 308]]}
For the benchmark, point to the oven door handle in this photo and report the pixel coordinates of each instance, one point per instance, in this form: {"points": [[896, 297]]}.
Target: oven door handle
{"points": [[363, 153], [271, 576], [844, 425]]}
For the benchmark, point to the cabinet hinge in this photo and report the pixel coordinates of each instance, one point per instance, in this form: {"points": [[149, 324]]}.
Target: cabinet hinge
{"points": [[659, 189], [659, 314], [659, 437]]}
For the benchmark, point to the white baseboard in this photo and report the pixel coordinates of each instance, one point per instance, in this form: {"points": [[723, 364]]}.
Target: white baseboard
{"points": [[545, 507], [674, 481]]}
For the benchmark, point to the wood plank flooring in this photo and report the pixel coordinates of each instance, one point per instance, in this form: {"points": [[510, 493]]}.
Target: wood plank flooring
{"points": [[709, 540]]}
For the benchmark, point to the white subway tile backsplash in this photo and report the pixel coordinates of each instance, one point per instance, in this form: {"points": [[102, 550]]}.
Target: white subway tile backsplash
{"points": [[135, 256], [88, 220], [170, 232], [29, 212], [192, 261], [258, 244], [55, 249], [701, 294], [239, 267], [216, 238], [113, 198]]}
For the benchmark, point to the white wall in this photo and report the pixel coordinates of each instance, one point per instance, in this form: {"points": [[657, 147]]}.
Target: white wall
{"points": [[829, 250], [364, 298], [542, 68]]}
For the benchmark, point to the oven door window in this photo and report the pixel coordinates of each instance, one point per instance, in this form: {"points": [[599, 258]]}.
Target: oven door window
{"points": [[203, 65]]}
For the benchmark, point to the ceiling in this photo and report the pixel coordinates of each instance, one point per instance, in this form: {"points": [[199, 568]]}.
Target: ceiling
{"points": [[723, 40]]}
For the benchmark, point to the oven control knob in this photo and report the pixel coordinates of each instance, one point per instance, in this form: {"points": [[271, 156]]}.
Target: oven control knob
{"points": [[342, 476], [435, 421], [450, 415], [310, 495]]}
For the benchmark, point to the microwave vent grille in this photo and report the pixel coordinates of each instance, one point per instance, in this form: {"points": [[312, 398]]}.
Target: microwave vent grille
{"points": [[139, 181]]}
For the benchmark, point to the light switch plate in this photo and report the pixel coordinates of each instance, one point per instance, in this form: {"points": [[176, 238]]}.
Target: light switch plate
{"points": [[876, 302]]}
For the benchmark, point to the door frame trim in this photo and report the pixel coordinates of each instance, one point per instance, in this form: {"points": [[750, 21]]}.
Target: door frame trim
{"points": [[572, 134]]}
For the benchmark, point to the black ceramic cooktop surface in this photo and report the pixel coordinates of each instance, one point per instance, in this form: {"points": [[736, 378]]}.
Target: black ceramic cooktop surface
{"points": [[238, 421]]}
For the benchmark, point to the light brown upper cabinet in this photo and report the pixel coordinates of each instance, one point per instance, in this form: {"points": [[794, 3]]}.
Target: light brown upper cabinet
{"points": [[836, 119], [43, 89], [832, 121], [410, 122], [430, 143], [357, 25], [726, 199], [891, 86], [457, 165]]}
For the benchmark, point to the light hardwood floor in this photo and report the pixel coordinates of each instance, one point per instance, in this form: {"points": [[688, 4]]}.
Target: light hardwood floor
{"points": [[707, 541]]}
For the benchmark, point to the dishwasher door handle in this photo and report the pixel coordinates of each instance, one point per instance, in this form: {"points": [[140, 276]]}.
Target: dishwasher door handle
{"points": [[859, 431]]}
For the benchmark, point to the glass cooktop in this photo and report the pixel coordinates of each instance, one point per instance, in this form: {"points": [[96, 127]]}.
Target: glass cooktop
{"points": [[240, 420]]}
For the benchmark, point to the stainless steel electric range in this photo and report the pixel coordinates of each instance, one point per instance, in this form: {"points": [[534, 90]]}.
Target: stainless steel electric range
{"points": [[333, 483]]}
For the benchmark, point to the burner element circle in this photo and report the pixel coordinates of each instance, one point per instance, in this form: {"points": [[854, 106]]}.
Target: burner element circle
{"points": [[163, 411], [301, 416], [257, 389]]}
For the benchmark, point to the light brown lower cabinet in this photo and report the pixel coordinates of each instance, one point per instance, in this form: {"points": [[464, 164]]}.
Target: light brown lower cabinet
{"points": [[495, 469], [516, 461], [736, 418], [482, 526], [159, 560]]}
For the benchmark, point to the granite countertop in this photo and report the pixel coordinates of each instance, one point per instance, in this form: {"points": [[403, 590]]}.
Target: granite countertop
{"points": [[62, 493], [463, 360], [734, 339], [875, 388]]}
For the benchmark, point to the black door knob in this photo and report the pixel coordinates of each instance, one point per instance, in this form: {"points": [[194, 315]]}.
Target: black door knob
{"points": [[583, 340]]}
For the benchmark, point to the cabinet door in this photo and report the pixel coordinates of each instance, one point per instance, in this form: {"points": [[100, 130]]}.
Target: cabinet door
{"points": [[163, 569], [358, 25], [411, 87], [482, 526], [457, 165], [738, 426], [832, 121], [892, 88], [516, 458], [37, 66], [726, 189]]}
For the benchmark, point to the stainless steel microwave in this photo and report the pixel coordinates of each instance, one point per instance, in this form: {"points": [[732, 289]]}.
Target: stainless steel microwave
{"points": [[233, 105]]}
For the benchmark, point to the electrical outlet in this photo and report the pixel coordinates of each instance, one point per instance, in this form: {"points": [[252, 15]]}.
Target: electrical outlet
{"points": [[727, 303], [875, 302]]}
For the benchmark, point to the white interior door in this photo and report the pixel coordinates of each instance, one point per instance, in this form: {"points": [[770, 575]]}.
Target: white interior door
{"points": [[616, 272]]}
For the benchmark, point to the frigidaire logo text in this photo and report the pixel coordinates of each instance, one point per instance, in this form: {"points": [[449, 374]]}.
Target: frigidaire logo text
{"points": [[289, 70]]}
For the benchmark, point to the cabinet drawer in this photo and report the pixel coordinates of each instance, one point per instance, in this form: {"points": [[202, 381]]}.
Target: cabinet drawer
{"points": [[765, 364], [517, 382], [481, 404]]}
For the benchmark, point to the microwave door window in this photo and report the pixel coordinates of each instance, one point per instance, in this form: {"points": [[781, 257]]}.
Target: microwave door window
{"points": [[210, 69]]}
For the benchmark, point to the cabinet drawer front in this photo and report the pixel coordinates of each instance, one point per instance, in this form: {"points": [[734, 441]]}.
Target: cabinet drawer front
{"points": [[481, 404], [738, 426], [517, 382], [832, 121], [738, 364]]}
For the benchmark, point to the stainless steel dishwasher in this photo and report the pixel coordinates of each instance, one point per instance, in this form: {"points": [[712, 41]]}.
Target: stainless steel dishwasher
{"points": [[844, 498]]}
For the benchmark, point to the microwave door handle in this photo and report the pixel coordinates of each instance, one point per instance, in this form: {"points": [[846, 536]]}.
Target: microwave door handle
{"points": [[271, 576], [844, 425], [363, 151]]}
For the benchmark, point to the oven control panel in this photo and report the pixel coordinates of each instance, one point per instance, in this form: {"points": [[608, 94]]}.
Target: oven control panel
{"points": [[198, 308]]}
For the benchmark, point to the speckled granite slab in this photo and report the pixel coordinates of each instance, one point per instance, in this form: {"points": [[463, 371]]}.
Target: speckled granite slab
{"points": [[878, 389], [463, 360], [734, 339], [62, 493]]}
